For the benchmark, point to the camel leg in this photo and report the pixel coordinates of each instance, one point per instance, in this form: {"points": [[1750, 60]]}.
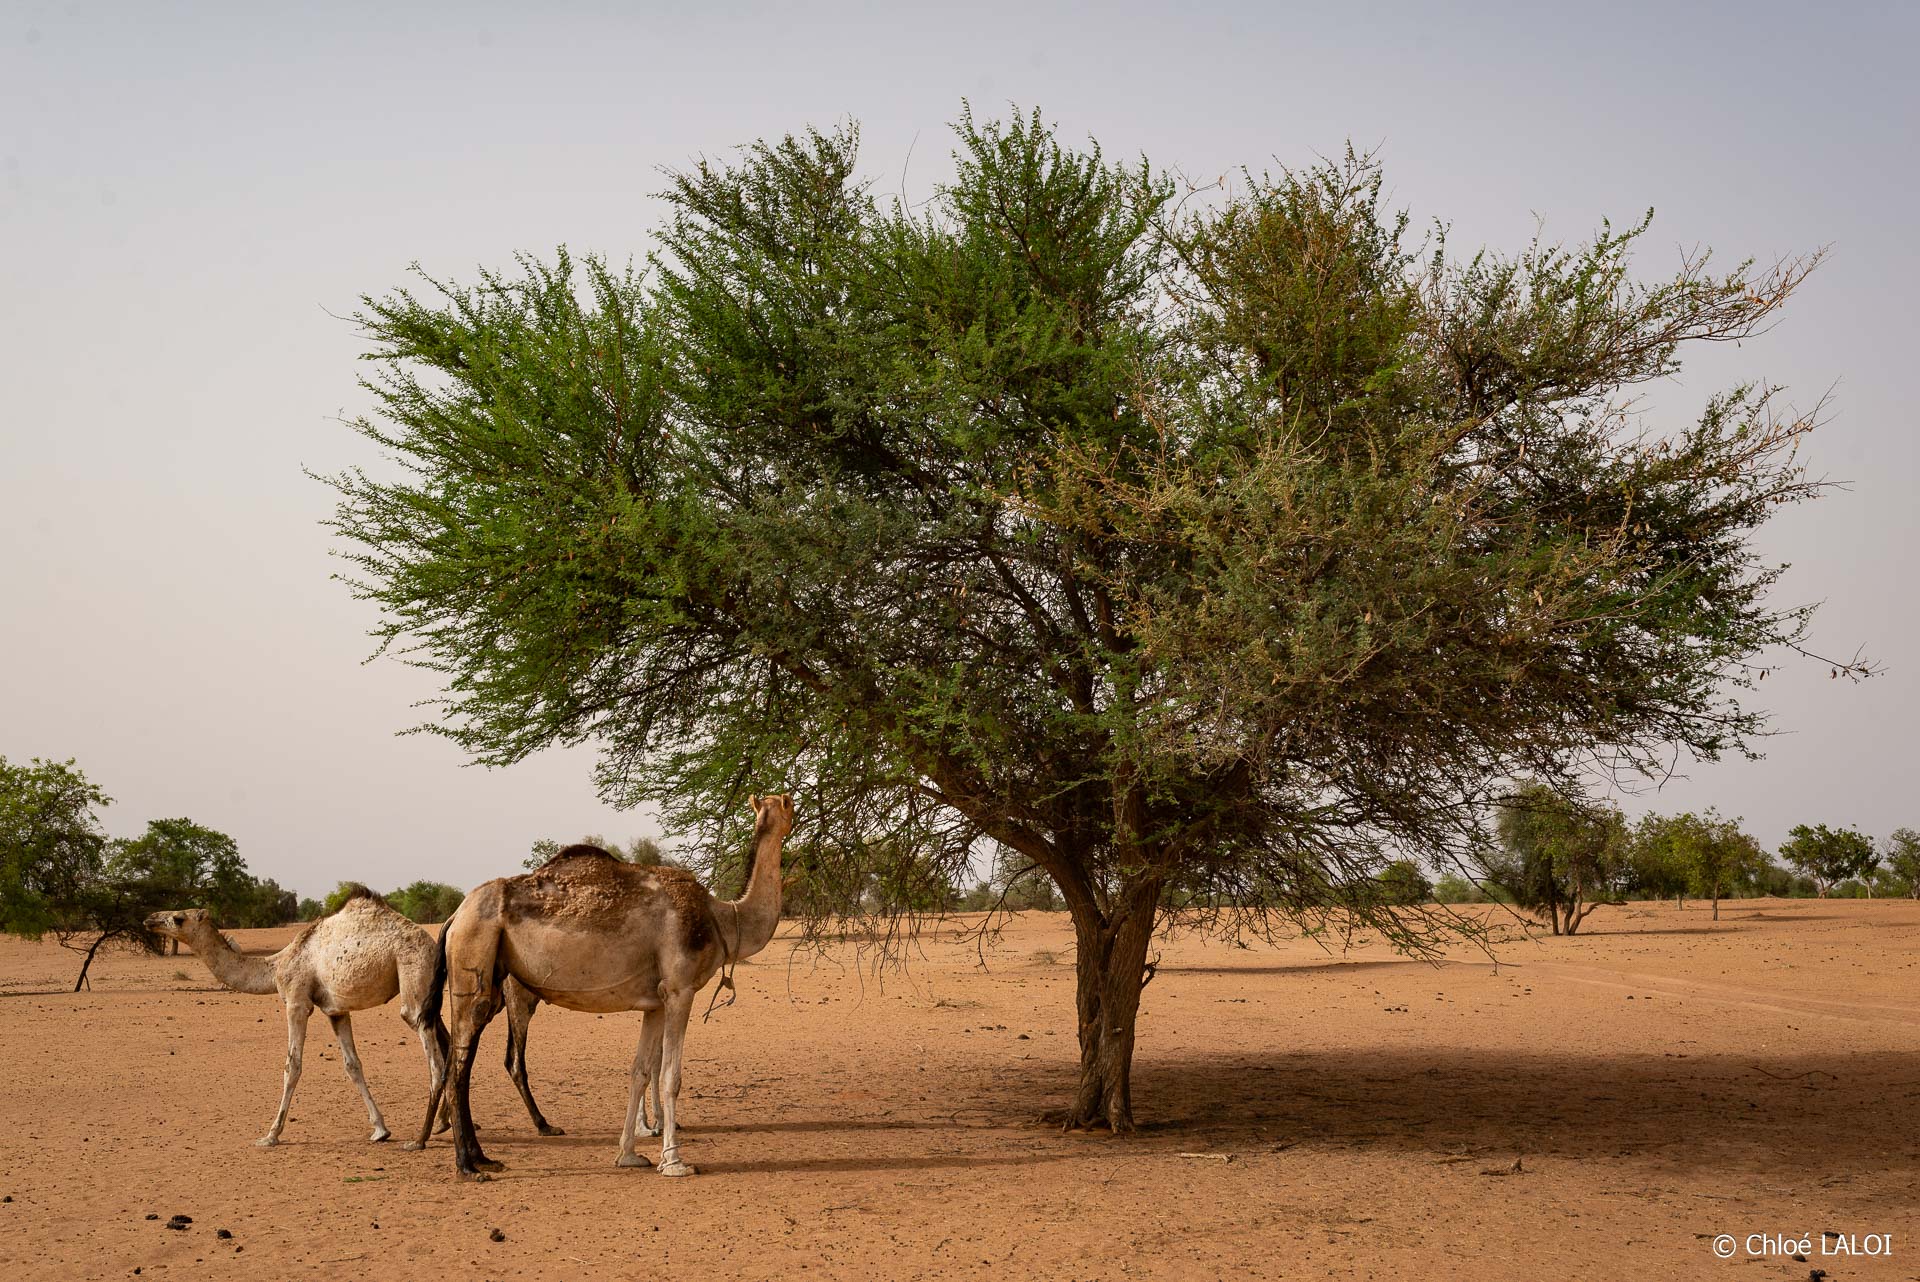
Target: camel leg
{"points": [[652, 1029], [650, 1042], [416, 988], [468, 1159], [656, 1093], [490, 1008], [447, 1109], [645, 1056], [520, 1006], [433, 1040], [350, 1056], [471, 1011], [674, 1040], [297, 1015]]}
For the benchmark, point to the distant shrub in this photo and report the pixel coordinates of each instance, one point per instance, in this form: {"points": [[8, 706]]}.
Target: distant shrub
{"points": [[426, 901], [1404, 883], [1452, 888]]}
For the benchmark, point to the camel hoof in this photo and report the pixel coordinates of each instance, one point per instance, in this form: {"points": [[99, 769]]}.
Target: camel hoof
{"points": [[645, 1132], [412, 1146], [488, 1164], [631, 1159], [472, 1177], [266, 1141], [551, 1130], [443, 1128], [676, 1168], [380, 1136]]}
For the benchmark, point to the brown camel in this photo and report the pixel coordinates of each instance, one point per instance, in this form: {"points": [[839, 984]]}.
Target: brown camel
{"points": [[356, 958], [590, 932]]}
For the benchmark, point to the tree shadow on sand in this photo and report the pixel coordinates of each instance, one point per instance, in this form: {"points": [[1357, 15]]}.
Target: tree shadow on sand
{"points": [[1694, 1110]]}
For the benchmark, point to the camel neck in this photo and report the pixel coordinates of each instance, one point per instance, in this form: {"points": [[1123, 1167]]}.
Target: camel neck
{"points": [[230, 966], [757, 913]]}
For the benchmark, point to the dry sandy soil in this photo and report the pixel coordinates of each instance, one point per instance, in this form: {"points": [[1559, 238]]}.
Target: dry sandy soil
{"points": [[1659, 1081]]}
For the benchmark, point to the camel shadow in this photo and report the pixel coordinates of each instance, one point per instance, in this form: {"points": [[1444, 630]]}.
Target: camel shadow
{"points": [[799, 1165], [927, 1162], [807, 1126]]}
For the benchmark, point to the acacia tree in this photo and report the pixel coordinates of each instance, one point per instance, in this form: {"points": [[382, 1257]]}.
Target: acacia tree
{"points": [[1903, 860], [53, 866], [1829, 855], [1712, 853], [51, 843], [182, 862], [1208, 553], [1559, 857], [1653, 869]]}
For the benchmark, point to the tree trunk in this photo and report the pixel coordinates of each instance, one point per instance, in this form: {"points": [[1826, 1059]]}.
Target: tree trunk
{"points": [[1111, 970], [82, 980]]}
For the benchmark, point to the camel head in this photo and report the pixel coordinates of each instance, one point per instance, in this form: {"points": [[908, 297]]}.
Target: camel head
{"points": [[180, 923], [772, 816]]}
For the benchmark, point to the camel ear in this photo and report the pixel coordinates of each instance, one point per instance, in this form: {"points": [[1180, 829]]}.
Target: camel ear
{"points": [[754, 801]]}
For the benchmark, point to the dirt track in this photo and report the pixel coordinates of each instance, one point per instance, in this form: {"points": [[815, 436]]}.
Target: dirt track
{"points": [[1660, 1081]]}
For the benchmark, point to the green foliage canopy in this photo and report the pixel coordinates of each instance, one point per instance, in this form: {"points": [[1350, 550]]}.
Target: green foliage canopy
{"points": [[1829, 855], [1903, 862], [52, 849], [185, 863]]}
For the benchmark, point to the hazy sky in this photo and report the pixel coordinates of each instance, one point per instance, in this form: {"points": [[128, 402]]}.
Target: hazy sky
{"points": [[188, 191]]}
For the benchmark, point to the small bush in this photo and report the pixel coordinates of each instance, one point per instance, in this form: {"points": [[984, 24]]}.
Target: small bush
{"points": [[1452, 888]]}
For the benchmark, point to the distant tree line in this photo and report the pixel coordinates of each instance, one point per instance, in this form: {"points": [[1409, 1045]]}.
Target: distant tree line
{"points": [[61, 875], [1559, 858], [421, 901], [641, 850]]}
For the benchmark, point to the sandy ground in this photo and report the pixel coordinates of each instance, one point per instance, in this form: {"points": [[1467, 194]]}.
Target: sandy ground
{"points": [[1660, 1080]]}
